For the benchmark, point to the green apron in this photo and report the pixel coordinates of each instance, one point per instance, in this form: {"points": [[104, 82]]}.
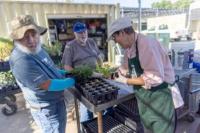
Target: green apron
{"points": [[155, 105]]}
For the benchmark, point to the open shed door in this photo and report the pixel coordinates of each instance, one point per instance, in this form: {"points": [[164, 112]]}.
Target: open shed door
{"points": [[61, 28]]}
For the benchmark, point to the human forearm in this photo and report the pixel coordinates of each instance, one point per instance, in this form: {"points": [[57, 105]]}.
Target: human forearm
{"points": [[130, 81], [57, 84], [151, 80], [135, 81], [63, 72], [68, 68]]}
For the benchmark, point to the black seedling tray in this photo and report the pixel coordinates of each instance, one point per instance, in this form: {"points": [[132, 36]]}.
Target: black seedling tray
{"points": [[97, 90], [8, 90], [110, 125], [4, 66]]}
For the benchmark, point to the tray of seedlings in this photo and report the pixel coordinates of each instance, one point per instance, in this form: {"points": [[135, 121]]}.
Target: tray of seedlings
{"points": [[96, 90], [8, 84], [110, 125]]}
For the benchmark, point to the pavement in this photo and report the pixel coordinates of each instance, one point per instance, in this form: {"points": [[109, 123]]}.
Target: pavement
{"points": [[22, 122]]}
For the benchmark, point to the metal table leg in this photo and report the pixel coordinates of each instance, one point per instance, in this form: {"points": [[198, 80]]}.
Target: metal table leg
{"points": [[77, 115], [100, 122]]}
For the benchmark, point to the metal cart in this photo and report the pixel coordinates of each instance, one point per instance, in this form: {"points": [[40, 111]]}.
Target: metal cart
{"points": [[123, 95], [7, 93], [7, 97], [185, 86], [195, 105]]}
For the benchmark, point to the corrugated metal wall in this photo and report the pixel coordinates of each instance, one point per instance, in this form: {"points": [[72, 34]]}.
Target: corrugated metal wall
{"points": [[41, 11]]}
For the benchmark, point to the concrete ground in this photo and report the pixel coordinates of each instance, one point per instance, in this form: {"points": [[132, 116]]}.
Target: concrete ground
{"points": [[22, 122]]}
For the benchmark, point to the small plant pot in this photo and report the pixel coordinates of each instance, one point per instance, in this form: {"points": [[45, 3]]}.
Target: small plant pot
{"points": [[4, 66]]}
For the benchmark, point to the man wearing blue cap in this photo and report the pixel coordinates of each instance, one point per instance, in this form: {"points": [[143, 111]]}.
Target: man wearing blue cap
{"points": [[82, 51]]}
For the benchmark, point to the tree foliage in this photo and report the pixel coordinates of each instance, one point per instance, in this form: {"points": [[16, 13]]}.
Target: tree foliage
{"points": [[167, 4]]}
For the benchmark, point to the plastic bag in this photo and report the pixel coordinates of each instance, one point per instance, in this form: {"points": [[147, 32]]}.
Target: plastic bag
{"points": [[176, 96]]}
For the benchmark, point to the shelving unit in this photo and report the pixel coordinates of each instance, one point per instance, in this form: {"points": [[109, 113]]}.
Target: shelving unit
{"points": [[62, 30]]}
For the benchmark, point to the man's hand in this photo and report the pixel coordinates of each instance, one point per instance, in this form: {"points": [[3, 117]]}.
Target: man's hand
{"points": [[120, 78], [97, 75], [122, 71]]}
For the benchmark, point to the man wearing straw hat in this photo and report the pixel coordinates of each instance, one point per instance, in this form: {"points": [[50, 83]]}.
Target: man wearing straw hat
{"points": [[42, 83]]}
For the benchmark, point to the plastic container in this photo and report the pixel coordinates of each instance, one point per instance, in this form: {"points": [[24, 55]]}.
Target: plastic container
{"points": [[98, 91], [180, 60], [4, 66]]}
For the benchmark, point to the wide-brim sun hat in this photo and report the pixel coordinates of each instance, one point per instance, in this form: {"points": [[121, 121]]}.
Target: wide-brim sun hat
{"points": [[117, 25], [23, 23]]}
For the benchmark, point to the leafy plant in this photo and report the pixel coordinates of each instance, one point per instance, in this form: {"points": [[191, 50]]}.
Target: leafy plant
{"points": [[82, 73], [6, 47], [167, 4], [7, 78], [54, 49], [106, 70]]}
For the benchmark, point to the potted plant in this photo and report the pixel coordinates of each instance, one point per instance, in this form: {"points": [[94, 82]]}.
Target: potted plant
{"points": [[55, 51], [105, 70], [7, 79], [82, 73], [6, 47]]}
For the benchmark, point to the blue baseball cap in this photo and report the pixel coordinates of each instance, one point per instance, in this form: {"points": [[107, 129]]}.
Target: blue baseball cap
{"points": [[79, 27]]}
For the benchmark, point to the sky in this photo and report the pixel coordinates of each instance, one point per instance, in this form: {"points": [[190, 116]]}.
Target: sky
{"points": [[123, 3]]}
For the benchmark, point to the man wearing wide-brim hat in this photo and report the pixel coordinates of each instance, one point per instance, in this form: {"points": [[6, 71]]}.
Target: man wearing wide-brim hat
{"points": [[42, 83], [151, 74]]}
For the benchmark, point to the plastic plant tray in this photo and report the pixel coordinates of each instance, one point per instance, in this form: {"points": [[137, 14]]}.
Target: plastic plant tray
{"points": [[97, 90]]}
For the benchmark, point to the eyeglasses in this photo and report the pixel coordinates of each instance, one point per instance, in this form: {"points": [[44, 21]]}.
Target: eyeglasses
{"points": [[114, 35]]}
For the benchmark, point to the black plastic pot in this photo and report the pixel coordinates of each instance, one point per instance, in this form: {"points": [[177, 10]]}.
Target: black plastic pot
{"points": [[97, 90], [4, 66]]}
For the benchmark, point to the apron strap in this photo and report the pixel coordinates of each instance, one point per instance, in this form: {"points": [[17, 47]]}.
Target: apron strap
{"points": [[161, 86]]}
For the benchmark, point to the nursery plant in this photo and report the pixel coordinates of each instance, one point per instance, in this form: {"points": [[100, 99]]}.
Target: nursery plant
{"points": [[6, 47]]}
